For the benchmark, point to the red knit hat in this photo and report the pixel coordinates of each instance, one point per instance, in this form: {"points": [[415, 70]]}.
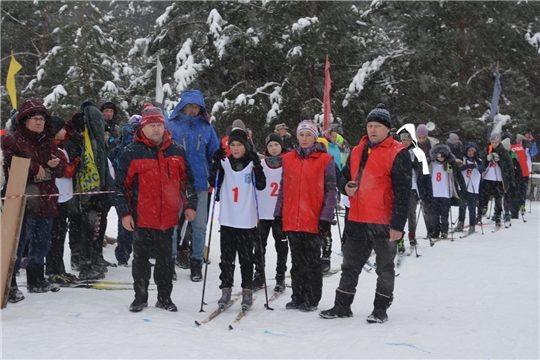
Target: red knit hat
{"points": [[151, 114]]}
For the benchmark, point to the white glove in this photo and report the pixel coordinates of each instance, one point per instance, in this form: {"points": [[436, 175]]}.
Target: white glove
{"points": [[489, 157]]}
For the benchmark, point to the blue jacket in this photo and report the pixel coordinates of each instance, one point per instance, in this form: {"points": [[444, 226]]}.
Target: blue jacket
{"points": [[196, 136]]}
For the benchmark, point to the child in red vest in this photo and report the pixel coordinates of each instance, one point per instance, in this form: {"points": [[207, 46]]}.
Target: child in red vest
{"points": [[305, 205]]}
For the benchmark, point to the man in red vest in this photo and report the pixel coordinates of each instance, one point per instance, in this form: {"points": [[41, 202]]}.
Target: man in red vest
{"points": [[377, 179]]}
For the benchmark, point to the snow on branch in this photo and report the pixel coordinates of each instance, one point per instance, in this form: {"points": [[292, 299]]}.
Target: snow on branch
{"points": [[304, 22], [55, 96], [533, 39], [215, 23], [368, 68], [163, 18], [187, 68]]}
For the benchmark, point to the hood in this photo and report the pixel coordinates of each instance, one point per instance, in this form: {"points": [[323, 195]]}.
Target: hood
{"points": [[106, 103], [442, 149], [471, 145], [30, 107], [189, 97]]}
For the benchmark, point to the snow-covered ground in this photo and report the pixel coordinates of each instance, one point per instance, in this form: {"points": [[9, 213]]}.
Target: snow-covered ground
{"points": [[473, 298]]}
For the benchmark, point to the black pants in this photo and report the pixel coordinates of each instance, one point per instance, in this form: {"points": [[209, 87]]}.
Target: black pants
{"points": [[472, 199], [306, 274], [355, 254], [439, 215], [160, 241], [233, 241], [281, 244], [55, 257], [495, 189]]}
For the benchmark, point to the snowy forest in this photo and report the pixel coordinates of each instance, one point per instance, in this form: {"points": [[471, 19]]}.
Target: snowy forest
{"points": [[264, 61]]}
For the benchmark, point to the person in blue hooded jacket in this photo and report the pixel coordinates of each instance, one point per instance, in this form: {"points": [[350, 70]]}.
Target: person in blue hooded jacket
{"points": [[191, 128]]}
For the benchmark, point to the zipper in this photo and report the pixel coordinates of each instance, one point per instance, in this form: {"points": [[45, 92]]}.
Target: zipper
{"points": [[199, 142]]}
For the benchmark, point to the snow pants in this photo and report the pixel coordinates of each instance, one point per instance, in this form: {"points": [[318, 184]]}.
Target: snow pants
{"points": [[281, 245], [306, 274], [356, 252], [440, 210], [237, 241], [55, 257], [159, 241]]}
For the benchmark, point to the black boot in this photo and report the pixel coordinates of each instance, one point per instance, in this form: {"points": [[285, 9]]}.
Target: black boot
{"points": [[36, 282], [381, 303], [196, 271], [182, 259], [15, 295], [164, 298], [342, 306]]}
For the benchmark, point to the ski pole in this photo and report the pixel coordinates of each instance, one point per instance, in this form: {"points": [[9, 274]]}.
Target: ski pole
{"points": [[337, 219], [210, 238], [260, 240]]}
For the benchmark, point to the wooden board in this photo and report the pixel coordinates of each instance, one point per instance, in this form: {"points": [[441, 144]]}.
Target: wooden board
{"points": [[12, 214]]}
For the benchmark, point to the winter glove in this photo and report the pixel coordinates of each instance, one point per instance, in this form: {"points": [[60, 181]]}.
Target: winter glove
{"points": [[76, 122], [471, 166], [218, 156], [495, 157], [84, 104], [252, 156], [324, 227]]}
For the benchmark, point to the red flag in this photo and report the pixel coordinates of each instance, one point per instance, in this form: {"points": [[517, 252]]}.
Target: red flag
{"points": [[326, 101]]}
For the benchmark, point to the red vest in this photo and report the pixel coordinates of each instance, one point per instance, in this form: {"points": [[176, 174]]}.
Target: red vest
{"points": [[303, 191], [373, 202], [522, 158]]}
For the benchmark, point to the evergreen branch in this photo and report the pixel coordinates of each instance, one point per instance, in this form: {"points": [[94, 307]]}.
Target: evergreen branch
{"points": [[24, 25]]}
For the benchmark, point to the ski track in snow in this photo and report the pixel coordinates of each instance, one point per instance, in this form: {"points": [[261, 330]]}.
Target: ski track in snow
{"points": [[476, 297]]}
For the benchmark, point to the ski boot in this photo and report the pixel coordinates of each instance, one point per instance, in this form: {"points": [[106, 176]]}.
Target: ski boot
{"points": [[459, 227], [247, 298], [225, 297], [401, 247], [471, 230]]}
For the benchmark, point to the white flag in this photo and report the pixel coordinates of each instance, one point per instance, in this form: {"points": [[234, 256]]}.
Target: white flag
{"points": [[159, 84]]}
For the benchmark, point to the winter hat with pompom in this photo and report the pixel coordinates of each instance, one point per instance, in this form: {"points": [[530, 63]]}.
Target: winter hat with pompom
{"points": [[380, 115], [151, 115]]}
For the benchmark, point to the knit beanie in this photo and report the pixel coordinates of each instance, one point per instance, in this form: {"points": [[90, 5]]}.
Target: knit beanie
{"points": [[238, 135], [238, 124], [151, 114], [308, 125], [57, 123], [422, 130], [274, 137], [381, 115], [506, 144], [495, 136], [519, 138], [453, 137], [134, 119]]}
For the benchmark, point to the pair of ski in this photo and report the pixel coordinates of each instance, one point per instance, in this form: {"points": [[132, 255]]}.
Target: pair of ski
{"points": [[433, 241], [222, 309]]}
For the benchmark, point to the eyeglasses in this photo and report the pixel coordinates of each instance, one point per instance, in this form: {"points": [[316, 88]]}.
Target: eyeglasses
{"points": [[37, 118]]}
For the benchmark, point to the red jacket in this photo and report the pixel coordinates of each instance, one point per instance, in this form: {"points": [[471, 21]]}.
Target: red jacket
{"points": [[522, 158], [303, 190], [373, 202], [152, 182]]}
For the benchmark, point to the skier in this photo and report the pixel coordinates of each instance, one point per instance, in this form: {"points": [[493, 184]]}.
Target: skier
{"points": [[305, 206], [472, 170], [377, 179], [154, 179], [498, 177], [273, 168], [447, 184], [238, 214]]}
